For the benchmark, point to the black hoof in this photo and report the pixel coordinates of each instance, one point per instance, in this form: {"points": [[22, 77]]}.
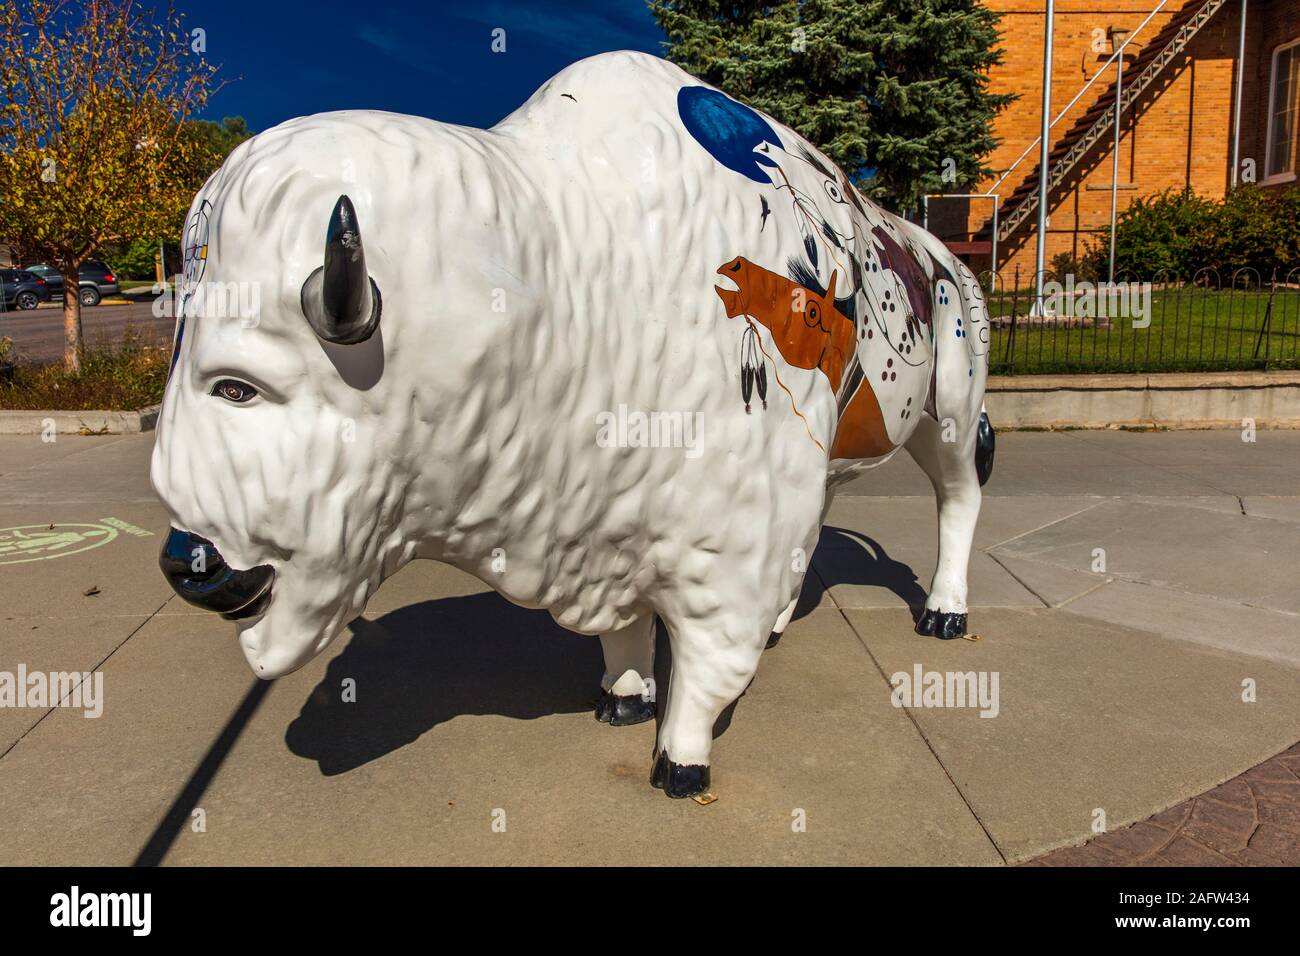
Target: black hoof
{"points": [[677, 780], [773, 639], [985, 444], [944, 625], [623, 711]]}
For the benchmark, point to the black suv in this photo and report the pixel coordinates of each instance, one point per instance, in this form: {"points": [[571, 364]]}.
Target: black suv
{"points": [[23, 290], [95, 280]]}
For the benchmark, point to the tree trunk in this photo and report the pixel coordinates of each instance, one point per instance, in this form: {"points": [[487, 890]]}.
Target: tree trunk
{"points": [[72, 338]]}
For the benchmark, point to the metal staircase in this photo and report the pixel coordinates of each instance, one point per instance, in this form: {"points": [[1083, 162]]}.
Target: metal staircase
{"points": [[1090, 128]]}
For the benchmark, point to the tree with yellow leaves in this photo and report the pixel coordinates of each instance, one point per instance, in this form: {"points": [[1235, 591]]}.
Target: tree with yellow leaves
{"points": [[94, 147]]}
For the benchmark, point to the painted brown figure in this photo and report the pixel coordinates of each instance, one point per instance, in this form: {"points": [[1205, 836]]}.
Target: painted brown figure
{"points": [[861, 430], [816, 336]]}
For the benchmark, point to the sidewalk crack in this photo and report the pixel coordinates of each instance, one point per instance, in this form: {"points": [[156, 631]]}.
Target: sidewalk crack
{"points": [[1015, 577], [1101, 500], [116, 648], [929, 746]]}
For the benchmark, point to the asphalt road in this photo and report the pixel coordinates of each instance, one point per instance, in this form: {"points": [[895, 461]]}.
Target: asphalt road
{"points": [[38, 334]]}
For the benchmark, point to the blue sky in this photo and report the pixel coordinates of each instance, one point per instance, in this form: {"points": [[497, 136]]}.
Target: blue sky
{"points": [[287, 58]]}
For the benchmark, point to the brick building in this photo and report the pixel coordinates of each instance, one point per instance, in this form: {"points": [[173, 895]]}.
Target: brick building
{"points": [[1176, 123]]}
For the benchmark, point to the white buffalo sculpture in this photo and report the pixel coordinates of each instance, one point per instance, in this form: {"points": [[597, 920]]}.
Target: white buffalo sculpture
{"points": [[609, 356]]}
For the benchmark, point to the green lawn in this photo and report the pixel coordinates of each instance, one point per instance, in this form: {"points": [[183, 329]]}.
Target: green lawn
{"points": [[1191, 330], [126, 376]]}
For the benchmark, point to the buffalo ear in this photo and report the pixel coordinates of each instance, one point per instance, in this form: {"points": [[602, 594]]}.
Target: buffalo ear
{"points": [[339, 299]]}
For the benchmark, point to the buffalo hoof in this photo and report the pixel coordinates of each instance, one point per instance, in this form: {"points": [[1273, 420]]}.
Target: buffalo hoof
{"points": [[773, 639], [679, 780], [623, 711], [944, 625]]}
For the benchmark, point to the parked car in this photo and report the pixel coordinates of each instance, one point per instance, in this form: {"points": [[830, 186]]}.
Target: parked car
{"points": [[22, 289], [94, 279]]}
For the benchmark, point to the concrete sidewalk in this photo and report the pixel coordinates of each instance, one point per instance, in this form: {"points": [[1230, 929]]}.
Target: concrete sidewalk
{"points": [[1120, 684]]}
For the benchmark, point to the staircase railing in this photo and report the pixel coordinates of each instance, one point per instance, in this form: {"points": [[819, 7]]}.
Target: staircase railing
{"points": [[1132, 91]]}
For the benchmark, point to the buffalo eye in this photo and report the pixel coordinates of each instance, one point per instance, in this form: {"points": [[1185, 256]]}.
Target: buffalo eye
{"points": [[233, 391]]}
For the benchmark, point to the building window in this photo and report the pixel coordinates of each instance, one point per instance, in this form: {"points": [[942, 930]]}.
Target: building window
{"points": [[1283, 110]]}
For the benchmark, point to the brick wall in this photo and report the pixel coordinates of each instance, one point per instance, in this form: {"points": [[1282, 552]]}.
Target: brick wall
{"points": [[1178, 135], [1273, 23]]}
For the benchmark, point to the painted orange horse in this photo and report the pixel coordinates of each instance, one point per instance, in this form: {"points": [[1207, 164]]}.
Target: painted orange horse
{"points": [[806, 327], [810, 332]]}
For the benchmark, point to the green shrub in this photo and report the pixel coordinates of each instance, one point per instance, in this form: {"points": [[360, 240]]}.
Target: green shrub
{"points": [[132, 260], [1241, 237], [124, 377], [1163, 235], [1176, 234], [1089, 267]]}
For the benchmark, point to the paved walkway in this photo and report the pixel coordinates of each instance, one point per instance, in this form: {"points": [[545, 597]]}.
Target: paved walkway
{"points": [[1252, 820], [1134, 594]]}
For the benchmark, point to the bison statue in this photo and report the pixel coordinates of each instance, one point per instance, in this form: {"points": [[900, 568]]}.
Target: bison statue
{"points": [[610, 356]]}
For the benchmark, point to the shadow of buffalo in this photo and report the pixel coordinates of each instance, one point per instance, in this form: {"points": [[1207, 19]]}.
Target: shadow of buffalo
{"points": [[845, 556], [427, 663]]}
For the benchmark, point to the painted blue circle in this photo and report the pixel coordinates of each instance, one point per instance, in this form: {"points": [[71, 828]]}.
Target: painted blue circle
{"points": [[730, 131]]}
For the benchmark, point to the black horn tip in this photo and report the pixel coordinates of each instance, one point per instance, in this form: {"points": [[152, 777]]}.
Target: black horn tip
{"points": [[344, 214]]}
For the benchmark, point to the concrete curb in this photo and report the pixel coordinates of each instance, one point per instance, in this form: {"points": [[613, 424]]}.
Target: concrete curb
{"points": [[116, 300], [38, 421], [1169, 400]]}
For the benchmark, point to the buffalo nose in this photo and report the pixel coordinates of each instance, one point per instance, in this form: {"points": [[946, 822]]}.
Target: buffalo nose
{"points": [[196, 571], [187, 556]]}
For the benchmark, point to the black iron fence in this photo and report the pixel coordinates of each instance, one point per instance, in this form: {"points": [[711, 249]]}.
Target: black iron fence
{"points": [[1206, 323]]}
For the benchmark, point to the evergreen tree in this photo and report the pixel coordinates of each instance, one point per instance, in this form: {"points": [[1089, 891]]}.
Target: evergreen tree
{"points": [[895, 91]]}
